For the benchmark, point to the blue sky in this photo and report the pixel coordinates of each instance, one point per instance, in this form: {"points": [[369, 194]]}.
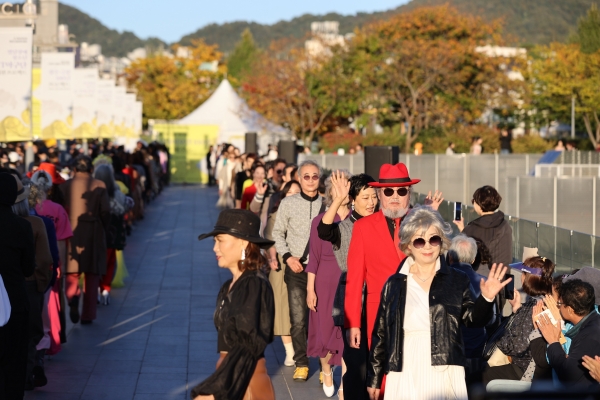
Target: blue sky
{"points": [[169, 20]]}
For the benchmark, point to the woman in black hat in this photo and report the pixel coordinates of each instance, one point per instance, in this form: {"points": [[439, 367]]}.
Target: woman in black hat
{"points": [[245, 311]]}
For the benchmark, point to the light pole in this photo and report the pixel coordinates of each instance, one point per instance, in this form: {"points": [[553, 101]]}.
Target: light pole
{"points": [[573, 117]]}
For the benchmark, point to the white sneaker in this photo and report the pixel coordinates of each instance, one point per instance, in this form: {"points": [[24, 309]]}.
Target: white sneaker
{"points": [[289, 360], [329, 390], [105, 297]]}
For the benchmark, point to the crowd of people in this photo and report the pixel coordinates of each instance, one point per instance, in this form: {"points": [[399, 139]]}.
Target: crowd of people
{"points": [[65, 217], [362, 279]]}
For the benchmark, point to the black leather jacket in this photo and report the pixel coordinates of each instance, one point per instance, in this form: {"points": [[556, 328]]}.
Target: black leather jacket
{"points": [[450, 302]]}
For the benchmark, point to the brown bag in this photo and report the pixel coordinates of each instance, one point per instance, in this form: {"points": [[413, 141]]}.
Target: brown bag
{"points": [[260, 386]]}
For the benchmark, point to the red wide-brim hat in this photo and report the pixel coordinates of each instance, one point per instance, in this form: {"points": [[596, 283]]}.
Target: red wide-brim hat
{"points": [[51, 169], [394, 176]]}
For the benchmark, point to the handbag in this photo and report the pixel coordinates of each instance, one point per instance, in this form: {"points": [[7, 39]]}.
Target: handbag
{"points": [[4, 304], [491, 345], [498, 358]]}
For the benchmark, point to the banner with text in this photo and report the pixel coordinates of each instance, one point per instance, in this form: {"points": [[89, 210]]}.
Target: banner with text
{"points": [[15, 84], [56, 95], [104, 98], [85, 81]]}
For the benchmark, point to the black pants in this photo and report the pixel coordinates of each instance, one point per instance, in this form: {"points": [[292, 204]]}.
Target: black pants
{"points": [[508, 371], [355, 378], [296, 287], [14, 339], [36, 326]]}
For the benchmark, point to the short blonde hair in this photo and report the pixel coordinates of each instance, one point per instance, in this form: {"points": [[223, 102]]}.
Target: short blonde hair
{"points": [[418, 221]]}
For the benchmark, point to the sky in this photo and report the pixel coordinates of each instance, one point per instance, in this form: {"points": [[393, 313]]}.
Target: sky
{"points": [[174, 19]]}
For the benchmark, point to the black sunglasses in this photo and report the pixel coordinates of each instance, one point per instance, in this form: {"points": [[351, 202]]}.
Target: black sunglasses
{"points": [[279, 171], [389, 192], [420, 242]]}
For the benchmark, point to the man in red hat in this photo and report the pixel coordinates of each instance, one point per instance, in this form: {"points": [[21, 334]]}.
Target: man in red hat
{"points": [[375, 252]]}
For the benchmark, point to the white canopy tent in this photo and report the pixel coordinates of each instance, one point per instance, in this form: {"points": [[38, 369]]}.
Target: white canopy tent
{"points": [[227, 110]]}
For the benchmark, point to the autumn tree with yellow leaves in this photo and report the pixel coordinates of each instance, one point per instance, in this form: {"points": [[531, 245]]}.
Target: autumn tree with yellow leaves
{"points": [[171, 87]]}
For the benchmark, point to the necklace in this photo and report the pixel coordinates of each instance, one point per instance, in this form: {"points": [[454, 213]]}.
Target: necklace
{"points": [[421, 279]]}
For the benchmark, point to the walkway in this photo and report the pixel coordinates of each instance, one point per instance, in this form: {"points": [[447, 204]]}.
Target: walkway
{"points": [[156, 340]]}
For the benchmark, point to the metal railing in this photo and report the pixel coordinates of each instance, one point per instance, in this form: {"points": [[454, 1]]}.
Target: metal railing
{"points": [[567, 170]]}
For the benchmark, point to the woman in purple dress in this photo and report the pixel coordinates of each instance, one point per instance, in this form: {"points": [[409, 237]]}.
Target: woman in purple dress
{"points": [[324, 338]]}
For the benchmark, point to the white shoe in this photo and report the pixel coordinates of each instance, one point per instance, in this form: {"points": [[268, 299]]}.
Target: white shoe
{"points": [[105, 297], [328, 390], [289, 360]]}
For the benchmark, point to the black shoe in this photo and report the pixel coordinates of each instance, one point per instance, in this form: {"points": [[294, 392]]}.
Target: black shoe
{"points": [[39, 377], [86, 322], [29, 386], [74, 309]]}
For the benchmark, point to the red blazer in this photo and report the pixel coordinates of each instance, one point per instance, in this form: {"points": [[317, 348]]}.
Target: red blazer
{"points": [[372, 258]]}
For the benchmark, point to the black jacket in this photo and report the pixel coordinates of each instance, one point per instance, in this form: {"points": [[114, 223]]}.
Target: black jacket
{"points": [[17, 257], [495, 233], [244, 319], [585, 343], [450, 303]]}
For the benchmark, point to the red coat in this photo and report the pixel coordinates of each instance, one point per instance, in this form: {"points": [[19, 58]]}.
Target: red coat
{"points": [[372, 258]]}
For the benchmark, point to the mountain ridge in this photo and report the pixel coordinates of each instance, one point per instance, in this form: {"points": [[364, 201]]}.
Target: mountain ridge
{"points": [[528, 22]]}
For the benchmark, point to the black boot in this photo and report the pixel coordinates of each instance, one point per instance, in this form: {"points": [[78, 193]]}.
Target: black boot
{"points": [[74, 309], [39, 375]]}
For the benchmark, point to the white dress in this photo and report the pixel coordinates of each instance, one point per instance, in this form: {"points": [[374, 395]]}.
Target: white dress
{"points": [[419, 380]]}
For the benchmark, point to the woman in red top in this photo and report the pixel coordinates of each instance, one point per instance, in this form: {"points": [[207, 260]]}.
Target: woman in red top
{"points": [[258, 179]]}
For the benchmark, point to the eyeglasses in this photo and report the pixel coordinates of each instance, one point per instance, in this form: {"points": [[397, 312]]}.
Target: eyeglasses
{"points": [[309, 177], [279, 171], [420, 242], [389, 192]]}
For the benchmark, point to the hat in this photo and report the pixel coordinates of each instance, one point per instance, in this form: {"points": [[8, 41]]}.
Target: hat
{"points": [[242, 224], [42, 179], [8, 189], [394, 176], [22, 192], [51, 169], [589, 275], [524, 268]]}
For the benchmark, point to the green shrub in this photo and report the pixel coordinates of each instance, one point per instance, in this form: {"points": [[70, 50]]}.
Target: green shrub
{"points": [[531, 144]]}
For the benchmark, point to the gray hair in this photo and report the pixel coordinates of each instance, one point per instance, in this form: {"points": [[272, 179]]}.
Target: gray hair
{"points": [[105, 173], [418, 221], [42, 179], [463, 249], [311, 163], [21, 208], [328, 187]]}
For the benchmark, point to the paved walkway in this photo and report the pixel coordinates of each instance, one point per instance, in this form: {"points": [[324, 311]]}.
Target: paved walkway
{"points": [[156, 340]]}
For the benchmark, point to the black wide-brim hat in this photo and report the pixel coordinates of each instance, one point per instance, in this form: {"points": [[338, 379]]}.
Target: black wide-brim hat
{"points": [[242, 224]]}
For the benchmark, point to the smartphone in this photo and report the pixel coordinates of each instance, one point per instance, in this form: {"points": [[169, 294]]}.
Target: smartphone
{"points": [[509, 290], [457, 211]]}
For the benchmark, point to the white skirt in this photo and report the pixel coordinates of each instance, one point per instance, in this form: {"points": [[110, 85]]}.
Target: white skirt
{"points": [[420, 380]]}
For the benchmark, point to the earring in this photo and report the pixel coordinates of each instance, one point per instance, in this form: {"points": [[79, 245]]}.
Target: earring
{"points": [[243, 255], [352, 206]]}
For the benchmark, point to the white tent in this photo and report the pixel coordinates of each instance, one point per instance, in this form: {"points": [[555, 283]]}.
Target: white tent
{"points": [[227, 110]]}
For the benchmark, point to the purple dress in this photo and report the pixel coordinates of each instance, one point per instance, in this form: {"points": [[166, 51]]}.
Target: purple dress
{"points": [[323, 336]]}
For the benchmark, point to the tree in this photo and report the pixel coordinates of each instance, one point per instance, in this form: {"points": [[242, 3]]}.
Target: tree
{"points": [[560, 72], [588, 31], [423, 69], [172, 87], [288, 87], [243, 56]]}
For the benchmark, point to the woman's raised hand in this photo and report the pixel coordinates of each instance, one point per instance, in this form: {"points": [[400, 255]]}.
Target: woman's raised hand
{"points": [[340, 186], [261, 188], [492, 286]]}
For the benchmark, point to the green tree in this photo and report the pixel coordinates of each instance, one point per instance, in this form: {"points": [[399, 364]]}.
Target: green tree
{"points": [[588, 31], [243, 56]]}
